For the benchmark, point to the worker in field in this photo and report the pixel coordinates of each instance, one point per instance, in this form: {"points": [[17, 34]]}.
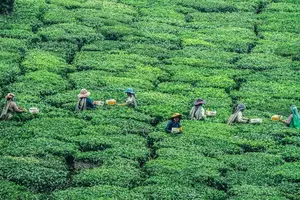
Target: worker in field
{"points": [[237, 115], [131, 99], [173, 125], [84, 102], [10, 107], [294, 119], [198, 112]]}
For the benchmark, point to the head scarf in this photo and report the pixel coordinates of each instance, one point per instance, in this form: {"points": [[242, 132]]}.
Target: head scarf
{"points": [[295, 123]]}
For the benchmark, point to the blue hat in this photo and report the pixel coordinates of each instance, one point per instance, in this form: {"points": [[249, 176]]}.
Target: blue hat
{"points": [[129, 90]]}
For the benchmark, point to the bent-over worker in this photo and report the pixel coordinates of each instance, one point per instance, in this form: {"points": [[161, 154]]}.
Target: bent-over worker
{"points": [[174, 123], [10, 107], [198, 112], [131, 99], [294, 119], [84, 102], [237, 115]]}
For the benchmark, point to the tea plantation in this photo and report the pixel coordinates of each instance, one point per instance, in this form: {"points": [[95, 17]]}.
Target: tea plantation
{"points": [[171, 52]]}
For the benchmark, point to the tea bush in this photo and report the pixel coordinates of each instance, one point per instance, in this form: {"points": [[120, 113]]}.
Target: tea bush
{"points": [[279, 21], [39, 60], [69, 32], [11, 190], [39, 83], [65, 50], [114, 62], [96, 192], [8, 73], [255, 192], [118, 174], [27, 171], [171, 53]]}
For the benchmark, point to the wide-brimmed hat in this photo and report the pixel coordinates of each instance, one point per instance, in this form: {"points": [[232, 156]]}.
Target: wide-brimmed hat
{"points": [[84, 93], [199, 102], [9, 96], [176, 115], [129, 90]]}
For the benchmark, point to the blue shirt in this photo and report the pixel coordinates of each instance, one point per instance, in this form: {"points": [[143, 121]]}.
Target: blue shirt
{"points": [[171, 124], [89, 103]]}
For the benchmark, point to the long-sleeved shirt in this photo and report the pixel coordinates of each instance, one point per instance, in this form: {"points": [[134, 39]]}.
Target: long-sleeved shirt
{"points": [[171, 124], [288, 121], [13, 107], [131, 101], [240, 118], [85, 103], [197, 114]]}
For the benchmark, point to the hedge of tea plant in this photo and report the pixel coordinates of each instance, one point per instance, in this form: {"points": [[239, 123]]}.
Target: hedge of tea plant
{"points": [[171, 53]]}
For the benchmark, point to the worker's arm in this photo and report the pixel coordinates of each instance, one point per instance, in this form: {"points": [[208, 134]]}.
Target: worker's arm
{"points": [[242, 119], [288, 121], [14, 106], [89, 103]]}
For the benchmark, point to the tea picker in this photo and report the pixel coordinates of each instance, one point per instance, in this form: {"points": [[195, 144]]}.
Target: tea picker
{"points": [[173, 125], [198, 112], [237, 116], [131, 99], [293, 120], [84, 102], [10, 108]]}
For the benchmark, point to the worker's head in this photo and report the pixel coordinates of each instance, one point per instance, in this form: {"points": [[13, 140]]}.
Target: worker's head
{"points": [[176, 117], [84, 93], [9, 96], [241, 107], [199, 102], [129, 92], [294, 109]]}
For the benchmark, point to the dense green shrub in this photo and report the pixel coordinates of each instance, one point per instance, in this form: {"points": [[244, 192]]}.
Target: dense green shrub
{"points": [[55, 14], [263, 62], [100, 79], [9, 57], [117, 174], [255, 192], [279, 21], [13, 45], [114, 61], [167, 191], [106, 45], [39, 83], [56, 128], [39, 147], [117, 32], [96, 192], [65, 50], [251, 168], [129, 146], [28, 172], [42, 60], [283, 7], [69, 32], [286, 172], [10, 190], [8, 73], [209, 20]]}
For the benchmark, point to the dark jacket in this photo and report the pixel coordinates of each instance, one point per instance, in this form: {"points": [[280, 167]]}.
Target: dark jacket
{"points": [[171, 124]]}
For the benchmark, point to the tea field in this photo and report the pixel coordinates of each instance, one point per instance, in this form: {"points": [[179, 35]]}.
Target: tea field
{"points": [[171, 52]]}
